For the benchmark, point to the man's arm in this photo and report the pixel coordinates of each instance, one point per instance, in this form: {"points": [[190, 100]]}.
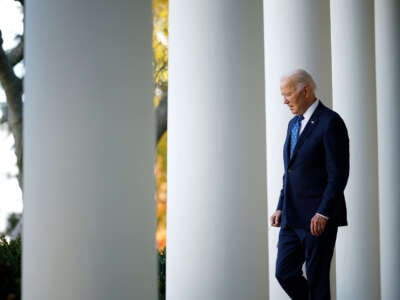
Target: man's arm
{"points": [[336, 144], [276, 216], [280, 201]]}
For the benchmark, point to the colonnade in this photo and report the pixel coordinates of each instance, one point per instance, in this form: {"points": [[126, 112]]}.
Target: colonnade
{"points": [[351, 48], [89, 215]]}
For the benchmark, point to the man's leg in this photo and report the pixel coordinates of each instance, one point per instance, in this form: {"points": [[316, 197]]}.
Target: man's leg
{"points": [[319, 252], [289, 265]]}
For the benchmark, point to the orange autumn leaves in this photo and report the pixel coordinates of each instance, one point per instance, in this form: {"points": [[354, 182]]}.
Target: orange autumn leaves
{"points": [[160, 77], [160, 173]]}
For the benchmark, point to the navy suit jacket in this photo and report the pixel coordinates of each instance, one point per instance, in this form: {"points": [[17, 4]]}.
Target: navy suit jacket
{"points": [[316, 176]]}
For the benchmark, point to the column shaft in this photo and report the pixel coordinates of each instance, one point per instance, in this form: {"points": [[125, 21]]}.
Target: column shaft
{"points": [[354, 97], [217, 247], [88, 195], [297, 35], [387, 47]]}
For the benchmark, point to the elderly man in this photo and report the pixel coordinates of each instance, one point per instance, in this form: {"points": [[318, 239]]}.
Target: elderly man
{"points": [[311, 204]]}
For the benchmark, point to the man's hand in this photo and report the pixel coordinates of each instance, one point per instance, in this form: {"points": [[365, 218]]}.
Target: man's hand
{"points": [[276, 218], [318, 224]]}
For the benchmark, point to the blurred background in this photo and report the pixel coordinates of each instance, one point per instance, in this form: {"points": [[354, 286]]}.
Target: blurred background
{"points": [[11, 27]]}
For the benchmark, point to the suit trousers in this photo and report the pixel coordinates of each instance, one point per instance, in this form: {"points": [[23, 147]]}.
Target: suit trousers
{"points": [[298, 246]]}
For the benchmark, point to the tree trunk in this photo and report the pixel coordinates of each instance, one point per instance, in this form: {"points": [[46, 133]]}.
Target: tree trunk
{"points": [[13, 89], [161, 118]]}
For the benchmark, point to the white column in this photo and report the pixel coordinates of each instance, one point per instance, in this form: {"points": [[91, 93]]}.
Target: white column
{"points": [[89, 212], [354, 97], [297, 35], [217, 245], [387, 47]]}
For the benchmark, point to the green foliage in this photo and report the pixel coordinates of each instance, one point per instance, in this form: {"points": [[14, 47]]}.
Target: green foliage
{"points": [[161, 274], [10, 268]]}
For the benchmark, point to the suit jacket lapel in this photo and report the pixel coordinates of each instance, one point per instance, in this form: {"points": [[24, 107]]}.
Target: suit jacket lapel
{"points": [[312, 123], [286, 151]]}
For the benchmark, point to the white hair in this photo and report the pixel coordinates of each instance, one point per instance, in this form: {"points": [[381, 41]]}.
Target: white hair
{"points": [[301, 78]]}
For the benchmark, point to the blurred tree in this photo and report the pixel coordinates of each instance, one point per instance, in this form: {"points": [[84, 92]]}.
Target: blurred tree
{"points": [[160, 49], [160, 57], [10, 268], [160, 62], [13, 89]]}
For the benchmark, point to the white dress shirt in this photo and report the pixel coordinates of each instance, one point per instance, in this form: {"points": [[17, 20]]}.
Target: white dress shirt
{"points": [[307, 115]]}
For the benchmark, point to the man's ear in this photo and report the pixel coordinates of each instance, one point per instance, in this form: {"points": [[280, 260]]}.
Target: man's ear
{"points": [[307, 91]]}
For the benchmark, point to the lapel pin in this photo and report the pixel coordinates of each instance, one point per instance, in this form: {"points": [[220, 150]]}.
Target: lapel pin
{"points": [[312, 121]]}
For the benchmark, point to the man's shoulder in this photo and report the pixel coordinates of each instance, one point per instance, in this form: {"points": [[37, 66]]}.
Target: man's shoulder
{"points": [[329, 115], [331, 121]]}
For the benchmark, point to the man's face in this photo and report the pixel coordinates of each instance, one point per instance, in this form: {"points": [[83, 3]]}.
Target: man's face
{"points": [[294, 98]]}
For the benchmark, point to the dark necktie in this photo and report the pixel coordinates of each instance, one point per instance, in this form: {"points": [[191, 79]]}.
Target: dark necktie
{"points": [[294, 133]]}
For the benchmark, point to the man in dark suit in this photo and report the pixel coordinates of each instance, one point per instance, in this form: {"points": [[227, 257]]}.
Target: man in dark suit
{"points": [[311, 204]]}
